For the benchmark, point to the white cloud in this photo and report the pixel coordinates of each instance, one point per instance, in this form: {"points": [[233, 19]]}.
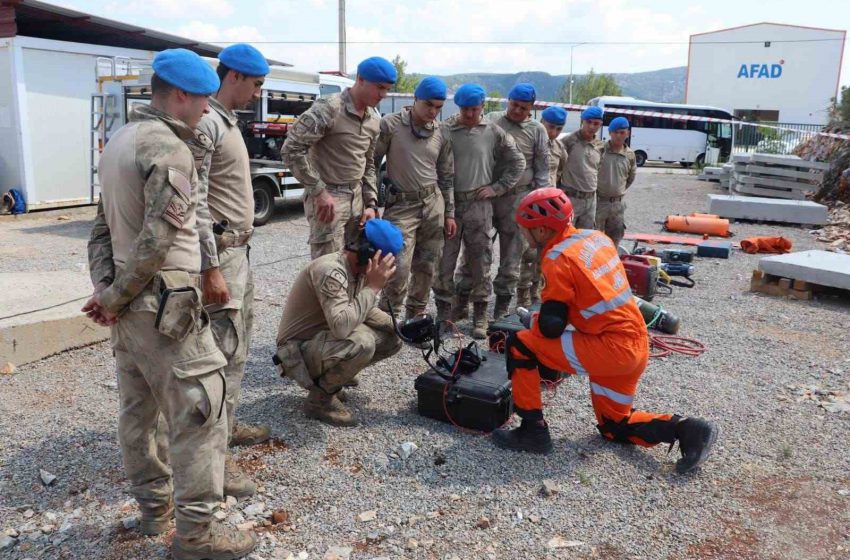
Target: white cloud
{"points": [[170, 9]]}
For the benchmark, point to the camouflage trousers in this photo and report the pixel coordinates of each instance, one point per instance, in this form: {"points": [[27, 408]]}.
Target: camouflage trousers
{"points": [[474, 221], [421, 223], [529, 270], [182, 382], [232, 322], [610, 218], [331, 362], [332, 237], [584, 208]]}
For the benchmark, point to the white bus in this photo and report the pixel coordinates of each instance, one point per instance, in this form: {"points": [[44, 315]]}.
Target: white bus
{"points": [[655, 138]]}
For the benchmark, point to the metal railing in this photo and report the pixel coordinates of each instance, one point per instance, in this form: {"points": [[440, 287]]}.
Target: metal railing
{"points": [[766, 140]]}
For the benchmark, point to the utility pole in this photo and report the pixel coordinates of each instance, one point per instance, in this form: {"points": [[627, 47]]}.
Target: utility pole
{"points": [[571, 70], [342, 37]]}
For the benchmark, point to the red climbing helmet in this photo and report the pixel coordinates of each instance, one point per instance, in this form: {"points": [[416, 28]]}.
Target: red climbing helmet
{"points": [[548, 207]]}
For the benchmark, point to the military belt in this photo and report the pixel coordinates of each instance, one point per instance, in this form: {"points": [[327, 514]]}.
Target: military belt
{"points": [[572, 193], [519, 188], [465, 196], [609, 198], [233, 238], [415, 196], [346, 187]]}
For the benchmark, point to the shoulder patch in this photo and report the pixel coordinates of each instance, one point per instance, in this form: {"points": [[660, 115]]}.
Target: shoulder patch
{"points": [[334, 281], [306, 124], [180, 183], [175, 212]]}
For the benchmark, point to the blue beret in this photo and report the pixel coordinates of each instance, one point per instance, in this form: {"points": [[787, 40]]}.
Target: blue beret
{"points": [[431, 87], [591, 113], [385, 236], [618, 123], [554, 115], [245, 59], [469, 95], [523, 92], [186, 70], [378, 70]]}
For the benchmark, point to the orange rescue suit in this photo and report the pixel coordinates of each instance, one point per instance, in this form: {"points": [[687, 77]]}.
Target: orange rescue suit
{"points": [[610, 346]]}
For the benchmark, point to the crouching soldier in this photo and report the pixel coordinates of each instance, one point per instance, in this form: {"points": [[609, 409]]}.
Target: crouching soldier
{"points": [[332, 328]]}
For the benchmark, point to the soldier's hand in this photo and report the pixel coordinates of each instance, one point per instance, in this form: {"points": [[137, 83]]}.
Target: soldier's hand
{"points": [[215, 288], [450, 228], [325, 207], [97, 313], [485, 192], [368, 214], [379, 270]]}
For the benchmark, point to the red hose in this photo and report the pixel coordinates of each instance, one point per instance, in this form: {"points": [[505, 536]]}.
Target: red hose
{"points": [[668, 344]]}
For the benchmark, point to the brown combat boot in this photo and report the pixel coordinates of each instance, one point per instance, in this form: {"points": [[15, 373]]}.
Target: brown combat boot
{"points": [[328, 409], [154, 521], [479, 320], [410, 313], [501, 307], [460, 310], [249, 434], [211, 541], [236, 482], [523, 298], [444, 311]]}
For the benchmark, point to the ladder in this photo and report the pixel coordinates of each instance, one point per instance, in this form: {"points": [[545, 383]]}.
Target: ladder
{"points": [[101, 121]]}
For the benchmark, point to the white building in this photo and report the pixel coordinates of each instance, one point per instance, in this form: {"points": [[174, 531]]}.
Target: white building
{"points": [[767, 71]]}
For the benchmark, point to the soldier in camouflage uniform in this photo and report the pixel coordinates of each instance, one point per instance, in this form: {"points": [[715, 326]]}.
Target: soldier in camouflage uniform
{"points": [[528, 289], [420, 170], [330, 150], [225, 176], [584, 154], [332, 328], [477, 145], [144, 257], [531, 139], [616, 174]]}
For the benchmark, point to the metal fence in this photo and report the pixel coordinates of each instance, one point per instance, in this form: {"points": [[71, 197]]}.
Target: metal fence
{"points": [[766, 140]]}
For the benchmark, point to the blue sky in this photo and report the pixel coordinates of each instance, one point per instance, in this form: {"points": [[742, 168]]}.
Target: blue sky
{"points": [[477, 20]]}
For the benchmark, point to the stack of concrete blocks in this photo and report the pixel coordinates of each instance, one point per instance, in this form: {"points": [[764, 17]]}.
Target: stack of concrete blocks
{"points": [[720, 175], [776, 176]]}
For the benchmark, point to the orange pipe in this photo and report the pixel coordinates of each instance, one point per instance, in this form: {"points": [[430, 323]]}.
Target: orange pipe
{"points": [[698, 215], [690, 224]]}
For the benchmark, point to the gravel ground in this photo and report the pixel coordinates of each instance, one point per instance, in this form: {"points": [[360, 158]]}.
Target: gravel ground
{"points": [[776, 487]]}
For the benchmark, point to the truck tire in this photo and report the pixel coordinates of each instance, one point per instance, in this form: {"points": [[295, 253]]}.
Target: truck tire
{"points": [[264, 195], [640, 158]]}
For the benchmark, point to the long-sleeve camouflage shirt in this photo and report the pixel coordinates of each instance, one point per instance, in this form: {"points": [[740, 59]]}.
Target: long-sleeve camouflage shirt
{"points": [[533, 141], [330, 144]]}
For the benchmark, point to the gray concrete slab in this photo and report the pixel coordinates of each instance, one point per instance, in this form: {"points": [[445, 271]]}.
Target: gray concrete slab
{"points": [[40, 315], [767, 209], [769, 192], [788, 161], [818, 267], [775, 182], [775, 171]]}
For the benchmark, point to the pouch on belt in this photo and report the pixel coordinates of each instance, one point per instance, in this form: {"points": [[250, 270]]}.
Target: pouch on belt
{"points": [[180, 307], [290, 363]]}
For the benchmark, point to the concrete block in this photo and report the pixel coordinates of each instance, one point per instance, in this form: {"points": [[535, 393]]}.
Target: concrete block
{"points": [[774, 182], [774, 171], [817, 267], [27, 336], [738, 158], [768, 210], [769, 192], [788, 161]]}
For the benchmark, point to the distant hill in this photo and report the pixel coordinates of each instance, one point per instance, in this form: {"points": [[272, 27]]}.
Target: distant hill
{"points": [[667, 85]]}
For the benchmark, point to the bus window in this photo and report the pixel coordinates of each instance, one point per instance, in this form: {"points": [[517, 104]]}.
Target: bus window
{"points": [[726, 130], [328, 89]]}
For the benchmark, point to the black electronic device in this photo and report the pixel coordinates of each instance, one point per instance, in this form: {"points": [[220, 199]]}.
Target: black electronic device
{"points": [[478, 400], [499, 330]]}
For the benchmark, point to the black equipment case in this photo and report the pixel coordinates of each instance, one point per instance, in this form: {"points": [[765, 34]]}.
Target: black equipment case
{"points": [[480, 400]]}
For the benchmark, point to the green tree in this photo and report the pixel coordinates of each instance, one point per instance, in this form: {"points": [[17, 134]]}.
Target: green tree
{"points": [[841, 108], [490, 106], [405, 83], [589, 86]]}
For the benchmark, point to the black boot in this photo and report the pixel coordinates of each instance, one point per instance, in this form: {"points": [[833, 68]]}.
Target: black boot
{"points": [[695, 436], [531, 436]]}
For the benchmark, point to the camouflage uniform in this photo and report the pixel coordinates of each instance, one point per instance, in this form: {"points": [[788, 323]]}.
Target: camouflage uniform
{"points": [[580, 178], [529, 270], [225, 177], [331, 327], [144, 239], [331, 148], [420, 200], [532, 140], [616, 174], [476, 152]]}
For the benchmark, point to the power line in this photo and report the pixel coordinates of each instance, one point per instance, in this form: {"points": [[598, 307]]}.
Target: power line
{"points": [[541, 43]]}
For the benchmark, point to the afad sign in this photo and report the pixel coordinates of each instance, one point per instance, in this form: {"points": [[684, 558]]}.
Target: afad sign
{"points": [[769, 71]]}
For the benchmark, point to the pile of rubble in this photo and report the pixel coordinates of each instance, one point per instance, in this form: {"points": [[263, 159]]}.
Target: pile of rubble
{"points": [[837, 231], [835, 151]]}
